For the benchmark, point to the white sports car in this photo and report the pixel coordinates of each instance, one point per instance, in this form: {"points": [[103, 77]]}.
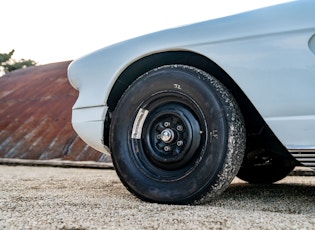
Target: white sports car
{"points": [[185, 110]]}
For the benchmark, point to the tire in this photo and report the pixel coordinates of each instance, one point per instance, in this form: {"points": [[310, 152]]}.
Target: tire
{"points": [[177, 136], [264, 168]]}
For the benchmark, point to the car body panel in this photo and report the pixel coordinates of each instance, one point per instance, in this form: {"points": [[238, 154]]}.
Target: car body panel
{"points": [[269, 53], [89, 123]]}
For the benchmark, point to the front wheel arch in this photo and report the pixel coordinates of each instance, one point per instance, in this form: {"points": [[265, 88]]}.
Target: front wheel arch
{"points": [[189, 58], [147, 63]]}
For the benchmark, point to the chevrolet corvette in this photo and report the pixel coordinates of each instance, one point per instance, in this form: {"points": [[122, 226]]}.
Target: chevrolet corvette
{"points": [[185, 110]]}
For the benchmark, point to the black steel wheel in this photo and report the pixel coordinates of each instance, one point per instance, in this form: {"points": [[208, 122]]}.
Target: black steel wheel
{"points": [[177, 136]]}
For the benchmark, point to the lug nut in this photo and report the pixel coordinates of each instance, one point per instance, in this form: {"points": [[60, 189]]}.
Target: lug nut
{"points": [[179, 128], [167, 124], [167, 148], [180, 143]]}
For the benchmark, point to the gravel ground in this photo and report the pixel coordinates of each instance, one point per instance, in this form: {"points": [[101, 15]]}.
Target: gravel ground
{"points": [[75, 198]]}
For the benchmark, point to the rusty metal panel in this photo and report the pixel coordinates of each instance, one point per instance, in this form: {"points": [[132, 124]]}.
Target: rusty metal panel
{"points": [[35, 116]]}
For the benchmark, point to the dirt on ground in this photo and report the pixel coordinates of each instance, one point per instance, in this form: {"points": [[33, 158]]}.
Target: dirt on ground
{"points": [[76, 198]]}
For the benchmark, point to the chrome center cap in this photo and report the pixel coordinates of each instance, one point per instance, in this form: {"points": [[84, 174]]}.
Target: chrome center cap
{"points": [[167, 135]]}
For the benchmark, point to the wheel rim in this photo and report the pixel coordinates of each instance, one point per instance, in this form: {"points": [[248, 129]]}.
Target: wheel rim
{"points": [[172, 136], [171, 139]]}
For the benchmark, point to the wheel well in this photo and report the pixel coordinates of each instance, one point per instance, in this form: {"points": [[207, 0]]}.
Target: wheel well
{"points": [[150, 62], [258, 133]]}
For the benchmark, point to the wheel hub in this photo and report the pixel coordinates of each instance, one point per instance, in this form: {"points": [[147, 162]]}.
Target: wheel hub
{"points": [[167, 135], [172, 136]]}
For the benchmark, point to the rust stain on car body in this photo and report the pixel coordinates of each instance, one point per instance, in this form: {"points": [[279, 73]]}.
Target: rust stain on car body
{"points": [[35, 116]]}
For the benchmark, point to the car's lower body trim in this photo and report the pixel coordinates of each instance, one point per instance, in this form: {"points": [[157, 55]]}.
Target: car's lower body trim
{"points": [[304, 154], [89, 124]]}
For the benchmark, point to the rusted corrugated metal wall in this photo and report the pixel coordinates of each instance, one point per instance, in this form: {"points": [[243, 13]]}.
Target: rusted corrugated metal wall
{"points": [[35, 116]]}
